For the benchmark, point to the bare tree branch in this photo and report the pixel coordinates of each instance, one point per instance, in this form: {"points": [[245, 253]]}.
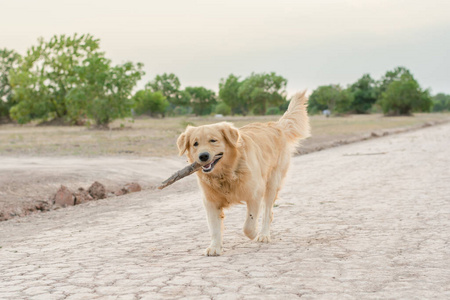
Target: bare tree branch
{"points": [[180, 174]]}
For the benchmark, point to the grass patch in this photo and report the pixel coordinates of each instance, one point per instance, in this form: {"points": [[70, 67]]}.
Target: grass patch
{"points": [[157, 137]]}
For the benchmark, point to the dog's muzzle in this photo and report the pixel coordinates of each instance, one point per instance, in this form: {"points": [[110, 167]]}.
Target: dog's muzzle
{"points": [[209, 167]]}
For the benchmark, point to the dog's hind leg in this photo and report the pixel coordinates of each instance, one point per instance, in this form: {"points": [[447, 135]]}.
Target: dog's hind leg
{"points": [[273, 186], [251, 223], [267, 218]]}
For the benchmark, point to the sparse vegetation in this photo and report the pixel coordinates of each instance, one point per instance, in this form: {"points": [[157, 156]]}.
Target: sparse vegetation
{"points": [[156, 137]]}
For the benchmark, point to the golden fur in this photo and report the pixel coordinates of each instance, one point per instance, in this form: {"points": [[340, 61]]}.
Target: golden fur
{"points": [[251, 164]]}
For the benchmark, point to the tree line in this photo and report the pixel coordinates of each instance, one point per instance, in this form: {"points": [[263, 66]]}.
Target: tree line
{"points": [[396, 93], [70, 78]]}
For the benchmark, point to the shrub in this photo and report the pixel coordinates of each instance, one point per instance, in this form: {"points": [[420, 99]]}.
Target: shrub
{"points": [[404, 96], [441, 102], [180, 110], [150, 103], [273, 111], [202, 100], [223, 109], [364, 94], [332, 97]]}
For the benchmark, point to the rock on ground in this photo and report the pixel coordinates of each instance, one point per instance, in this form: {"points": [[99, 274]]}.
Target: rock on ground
{"points": [[97, 190], [63, 197], [132, 187], [82, 196], [128, 188]]}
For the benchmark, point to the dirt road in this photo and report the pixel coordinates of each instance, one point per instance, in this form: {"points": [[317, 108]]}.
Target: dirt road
{"points": [[28, 182], [364, 221]]}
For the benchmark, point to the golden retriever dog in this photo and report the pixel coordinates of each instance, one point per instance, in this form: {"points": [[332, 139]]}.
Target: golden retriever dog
{"points": [[245, 165]]}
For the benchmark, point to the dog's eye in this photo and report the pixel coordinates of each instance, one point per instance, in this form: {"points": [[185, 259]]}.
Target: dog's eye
{"points": [[212, 141], [195, 144]]}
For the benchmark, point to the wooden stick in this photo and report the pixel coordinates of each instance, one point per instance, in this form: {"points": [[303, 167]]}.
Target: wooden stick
{"points": [[180, 174]]}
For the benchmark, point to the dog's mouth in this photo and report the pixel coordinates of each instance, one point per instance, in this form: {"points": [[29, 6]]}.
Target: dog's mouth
{"points": [[209, 167]]}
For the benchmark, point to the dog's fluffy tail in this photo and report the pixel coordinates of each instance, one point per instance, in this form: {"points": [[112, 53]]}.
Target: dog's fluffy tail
{"points": [[295, 121]]}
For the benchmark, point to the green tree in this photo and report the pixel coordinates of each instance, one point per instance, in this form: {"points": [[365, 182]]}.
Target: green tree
{"points": [[9, 60], [223, 109], [150, 103], [169, 86], [441, 102], [260, 91], [229, 93], [364, 94], [202, 100], [404, 96], [390, 76], [47, 74], [332, 97], [103, 92]]}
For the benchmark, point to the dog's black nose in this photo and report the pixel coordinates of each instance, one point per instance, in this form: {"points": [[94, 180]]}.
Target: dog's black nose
{"points": [[204, 156]]}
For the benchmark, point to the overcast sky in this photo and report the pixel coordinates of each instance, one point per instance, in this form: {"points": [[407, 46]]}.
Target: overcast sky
{"points": [[311, 43]]}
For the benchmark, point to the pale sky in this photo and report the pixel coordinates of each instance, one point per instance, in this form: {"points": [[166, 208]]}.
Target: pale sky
{"points": [[311, 43]]}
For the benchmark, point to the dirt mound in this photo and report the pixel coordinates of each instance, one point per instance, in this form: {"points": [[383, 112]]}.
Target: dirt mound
{"points": [[65, 197], [26, 182], [10, 212]]}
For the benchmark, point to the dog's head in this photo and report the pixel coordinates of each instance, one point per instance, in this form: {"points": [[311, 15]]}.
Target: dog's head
{"points": [[209, 145]]}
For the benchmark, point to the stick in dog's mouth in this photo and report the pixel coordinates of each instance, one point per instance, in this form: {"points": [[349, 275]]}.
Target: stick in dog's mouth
{"points": [[209, 167], [192, 168]]}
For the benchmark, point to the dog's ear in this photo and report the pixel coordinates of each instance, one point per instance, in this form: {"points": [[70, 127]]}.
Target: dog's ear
{"points": [[230, 133], [183, 140]]}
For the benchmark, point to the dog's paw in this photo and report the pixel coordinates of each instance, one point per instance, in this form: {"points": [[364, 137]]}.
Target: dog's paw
{"points": [[263, 238], [213, 251]]}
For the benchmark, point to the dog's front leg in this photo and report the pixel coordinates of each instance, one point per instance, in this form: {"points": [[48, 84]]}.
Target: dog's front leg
{"points": [[215, 224]]}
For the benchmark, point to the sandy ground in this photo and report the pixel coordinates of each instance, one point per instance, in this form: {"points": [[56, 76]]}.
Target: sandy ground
{"points": [[368, 220], [26, 183]]}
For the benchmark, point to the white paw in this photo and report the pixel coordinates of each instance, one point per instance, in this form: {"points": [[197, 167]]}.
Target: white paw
{"points": [[263, 238], [213, 251]]}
